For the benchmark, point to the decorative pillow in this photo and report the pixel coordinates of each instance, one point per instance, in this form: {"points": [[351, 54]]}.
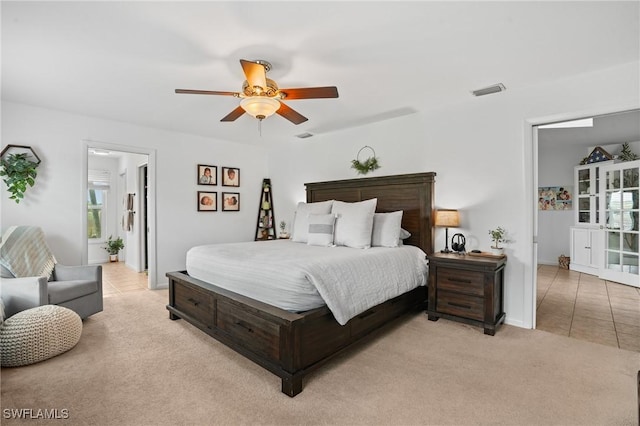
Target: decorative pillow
{"points": [[386, 229], [354, 223], [321, 228], [300, 228], [404, 234]]}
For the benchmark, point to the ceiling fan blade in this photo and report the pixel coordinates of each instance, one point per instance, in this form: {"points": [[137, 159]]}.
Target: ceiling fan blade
{"points": [[291, 115], [310, 92], [255, 73], [233, 115], [205, 92]]}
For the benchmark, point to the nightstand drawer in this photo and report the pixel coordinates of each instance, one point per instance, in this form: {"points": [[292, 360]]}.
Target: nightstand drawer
{"points": [[461, 305], [468, 282]]}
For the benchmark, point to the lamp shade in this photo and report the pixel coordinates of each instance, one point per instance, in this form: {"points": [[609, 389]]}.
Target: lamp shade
{"points": [[260, 107], [447, 218]]}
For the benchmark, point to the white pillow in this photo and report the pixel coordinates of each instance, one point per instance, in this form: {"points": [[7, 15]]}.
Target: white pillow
{"points": [[354, 223], [386, 229], [404, 234], [300, 228], [321, 228]]}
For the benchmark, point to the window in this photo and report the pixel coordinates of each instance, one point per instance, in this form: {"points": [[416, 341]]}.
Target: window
{"points": [[97, 203], [96, 213]]}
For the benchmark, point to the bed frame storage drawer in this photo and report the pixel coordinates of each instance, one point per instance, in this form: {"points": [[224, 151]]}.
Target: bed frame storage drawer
{"points": [[254, 333], [406, 302], [195, 302], [368, 320]]}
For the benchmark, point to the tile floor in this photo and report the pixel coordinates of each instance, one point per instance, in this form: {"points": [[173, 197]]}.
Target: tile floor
{"points": [[588, 308], [117, 278]]}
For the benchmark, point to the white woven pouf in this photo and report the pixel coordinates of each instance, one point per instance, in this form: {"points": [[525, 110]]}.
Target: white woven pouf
{"points": [[37, 334]]}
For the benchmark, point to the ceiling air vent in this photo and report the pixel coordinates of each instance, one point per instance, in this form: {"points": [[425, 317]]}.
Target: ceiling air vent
{"points": [[489, 90], [304, 135]]}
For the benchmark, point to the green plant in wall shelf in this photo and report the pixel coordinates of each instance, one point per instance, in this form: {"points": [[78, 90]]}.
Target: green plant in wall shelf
{"points": [[18, 173]]}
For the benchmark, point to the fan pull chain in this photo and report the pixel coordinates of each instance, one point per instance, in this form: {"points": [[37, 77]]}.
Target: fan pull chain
{"points": [[260, 127]]}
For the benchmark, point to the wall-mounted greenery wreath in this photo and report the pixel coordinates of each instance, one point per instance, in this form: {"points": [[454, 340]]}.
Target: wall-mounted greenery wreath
{"points": [[369, 165], [18, 169]]}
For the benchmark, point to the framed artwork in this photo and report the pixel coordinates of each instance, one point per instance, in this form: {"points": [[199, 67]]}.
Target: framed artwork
{"points": [[207, 175], [207, 201], [230, 176], [555, 198], [230, 201]]}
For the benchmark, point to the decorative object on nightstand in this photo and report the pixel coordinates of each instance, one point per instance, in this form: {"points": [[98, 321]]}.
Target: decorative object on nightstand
{"points": [[467, 289], [497, 236], [458, 243], [266, 228], [447, 218]]}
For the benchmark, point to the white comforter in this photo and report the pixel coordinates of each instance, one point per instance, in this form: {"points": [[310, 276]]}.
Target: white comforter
{"points": [[298, 277]]}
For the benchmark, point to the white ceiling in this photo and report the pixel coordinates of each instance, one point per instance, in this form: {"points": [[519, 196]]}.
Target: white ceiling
{"points": [[123, 60]]}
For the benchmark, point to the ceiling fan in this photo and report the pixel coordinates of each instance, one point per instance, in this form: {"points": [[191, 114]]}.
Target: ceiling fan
{"points": [[261, 96]]}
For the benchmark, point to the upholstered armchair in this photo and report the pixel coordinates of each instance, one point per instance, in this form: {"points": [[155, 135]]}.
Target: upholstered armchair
{"points": [[30, 276]]}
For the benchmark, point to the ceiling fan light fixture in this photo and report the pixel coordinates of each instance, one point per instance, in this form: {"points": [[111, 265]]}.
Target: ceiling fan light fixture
{"points": [[260, 107]]}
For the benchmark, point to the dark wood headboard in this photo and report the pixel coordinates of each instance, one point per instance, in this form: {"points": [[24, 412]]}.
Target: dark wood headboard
{"points": [[411, 193]]}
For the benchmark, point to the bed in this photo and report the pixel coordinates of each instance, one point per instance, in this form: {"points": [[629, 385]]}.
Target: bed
{"points": [[292, 345]]}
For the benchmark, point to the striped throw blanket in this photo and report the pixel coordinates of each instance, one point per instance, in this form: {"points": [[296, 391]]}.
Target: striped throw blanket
{"points": [[24, 252]]}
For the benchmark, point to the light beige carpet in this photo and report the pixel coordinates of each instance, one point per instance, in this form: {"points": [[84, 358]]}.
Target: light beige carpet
{"points": [[133, 366]]}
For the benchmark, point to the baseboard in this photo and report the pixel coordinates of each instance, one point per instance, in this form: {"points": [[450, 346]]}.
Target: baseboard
{"points": [[548, 262]]}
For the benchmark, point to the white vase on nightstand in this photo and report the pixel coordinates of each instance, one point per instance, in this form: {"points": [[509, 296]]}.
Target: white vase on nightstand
{"points": [[499, 251]]}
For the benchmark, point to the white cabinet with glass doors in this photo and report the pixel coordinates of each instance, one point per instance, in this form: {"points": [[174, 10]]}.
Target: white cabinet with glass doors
{"points": [[619, 216], [587, 193]]}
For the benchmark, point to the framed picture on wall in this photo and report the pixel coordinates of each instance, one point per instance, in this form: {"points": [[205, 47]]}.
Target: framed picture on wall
{"points": [[555, 198], [207, 201], [207, 175], [230, 176], [230, 201]]}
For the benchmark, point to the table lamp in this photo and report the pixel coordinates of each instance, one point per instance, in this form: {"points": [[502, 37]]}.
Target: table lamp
{"points": [[447, 218]]}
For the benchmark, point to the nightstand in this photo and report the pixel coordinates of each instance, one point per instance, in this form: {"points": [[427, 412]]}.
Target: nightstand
{"points": [[467, 288]]}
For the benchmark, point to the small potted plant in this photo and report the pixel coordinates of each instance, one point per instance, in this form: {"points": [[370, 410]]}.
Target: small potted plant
{"points": [[498, 235], [283, 225], [113, 247]]}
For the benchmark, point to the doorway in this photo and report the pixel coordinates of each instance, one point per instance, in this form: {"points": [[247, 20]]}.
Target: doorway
{"points": [[579, 303], [134, 195]]}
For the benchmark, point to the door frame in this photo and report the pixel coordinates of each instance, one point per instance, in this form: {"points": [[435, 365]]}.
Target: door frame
{"points": [[530, 154], [151, 202]]}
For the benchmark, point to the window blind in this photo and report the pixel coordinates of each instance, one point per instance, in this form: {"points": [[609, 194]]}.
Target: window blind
{"points": [[99, 179]]}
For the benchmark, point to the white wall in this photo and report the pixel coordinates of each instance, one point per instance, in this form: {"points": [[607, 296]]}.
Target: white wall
{"points": [[56, 202], [128, 165], [480, 151], [556, 163]]}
